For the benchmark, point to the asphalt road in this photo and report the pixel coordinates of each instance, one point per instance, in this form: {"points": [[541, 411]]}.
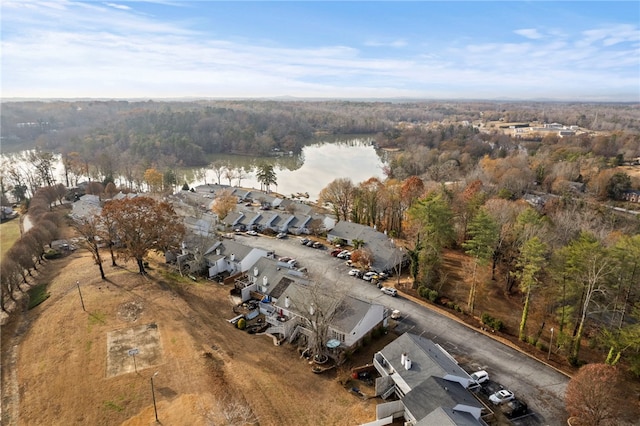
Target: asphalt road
{"points": [[540, 386]]}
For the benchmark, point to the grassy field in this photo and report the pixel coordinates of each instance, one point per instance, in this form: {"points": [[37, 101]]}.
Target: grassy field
{"points": [[9, 233]]}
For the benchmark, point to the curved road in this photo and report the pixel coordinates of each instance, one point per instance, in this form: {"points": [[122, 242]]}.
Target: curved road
{"points": [[540, 385]]}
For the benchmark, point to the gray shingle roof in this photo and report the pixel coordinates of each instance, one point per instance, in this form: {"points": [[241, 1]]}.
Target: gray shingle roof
{"points": [[427, 360]]}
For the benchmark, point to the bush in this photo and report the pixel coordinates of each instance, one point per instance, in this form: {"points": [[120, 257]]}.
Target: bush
{"points": [[492, 322], [423, 291], [432, 295], [52, 254], [241, 324]]}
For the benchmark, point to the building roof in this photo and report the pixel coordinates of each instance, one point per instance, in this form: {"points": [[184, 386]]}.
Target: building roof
{"points": [[349, 313], [427, 360], [88, 205], [442, 416], [229, 247], [435, 392]]}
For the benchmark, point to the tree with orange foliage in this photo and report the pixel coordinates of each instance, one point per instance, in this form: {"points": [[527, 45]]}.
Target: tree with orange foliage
{"points": [[142, 224], [595, 397], [224, 204], [154, 179], [362, 257]]}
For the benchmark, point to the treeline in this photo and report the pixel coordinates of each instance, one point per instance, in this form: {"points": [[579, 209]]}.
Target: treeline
{"points": [[185, 133], [33, 247]]}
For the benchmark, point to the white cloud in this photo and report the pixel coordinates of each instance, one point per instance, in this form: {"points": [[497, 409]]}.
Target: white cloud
{"points": [[118, 6], [395, 43], [108, 51], [530, 33]]}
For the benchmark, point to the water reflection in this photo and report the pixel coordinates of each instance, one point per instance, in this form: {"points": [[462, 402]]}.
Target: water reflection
{"points": [[308, 172], [312, 170]]}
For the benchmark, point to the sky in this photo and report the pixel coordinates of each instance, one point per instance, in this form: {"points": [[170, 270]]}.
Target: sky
{"points": [[523, 50]]}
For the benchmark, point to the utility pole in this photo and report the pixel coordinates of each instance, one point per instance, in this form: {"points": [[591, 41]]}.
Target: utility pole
{"points": [[80, 293], [153, 395]]}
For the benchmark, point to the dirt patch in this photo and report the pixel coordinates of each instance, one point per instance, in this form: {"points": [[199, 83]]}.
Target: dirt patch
{"points": [[131, 349]]}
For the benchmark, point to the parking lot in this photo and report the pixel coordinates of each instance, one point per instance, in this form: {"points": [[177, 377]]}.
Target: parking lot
{"points": [[541, 387]]}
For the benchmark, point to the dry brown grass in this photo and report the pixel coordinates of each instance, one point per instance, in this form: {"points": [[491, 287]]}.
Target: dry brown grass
{"points": [[57, 356]]}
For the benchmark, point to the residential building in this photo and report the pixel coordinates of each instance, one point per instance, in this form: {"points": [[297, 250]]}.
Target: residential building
{"points": [[428, 383]]}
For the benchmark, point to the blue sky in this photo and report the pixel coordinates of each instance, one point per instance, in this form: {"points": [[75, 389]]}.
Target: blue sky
{"points": [[586, 51]]}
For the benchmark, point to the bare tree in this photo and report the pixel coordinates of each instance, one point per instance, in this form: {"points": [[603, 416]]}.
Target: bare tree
{"points": [[339, 195], [89, 229], [218, 168]]}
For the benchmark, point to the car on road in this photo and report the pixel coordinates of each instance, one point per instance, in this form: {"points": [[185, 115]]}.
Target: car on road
{"points": [[480, 377], [318, 245], [284, 259], [501, 397], [252, 233], [395, 314], [390, 291], [355, 273], [304, 241], [281, 235], [370, 276]]}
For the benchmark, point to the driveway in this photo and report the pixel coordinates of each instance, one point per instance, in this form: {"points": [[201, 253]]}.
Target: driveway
{"points": [[540, 386]]}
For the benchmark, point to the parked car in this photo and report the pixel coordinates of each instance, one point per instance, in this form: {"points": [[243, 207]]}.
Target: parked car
{"points": [[480, 377], [293, 263], [310, 243], [284, 259], [501, 397], [252, 233], [342, 254], [335, 252], [355, 273], [281, 235], [318, 245], [304, 241], [515, 408], [381, 275], [390, 291], [395, 314], [370, 276]]}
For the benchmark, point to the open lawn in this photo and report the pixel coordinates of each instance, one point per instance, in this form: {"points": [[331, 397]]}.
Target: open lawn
{"points": [[9, 233]]}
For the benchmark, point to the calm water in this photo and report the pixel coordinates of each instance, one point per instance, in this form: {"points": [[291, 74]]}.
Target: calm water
{"points": [[317, 165], [313, 169]]}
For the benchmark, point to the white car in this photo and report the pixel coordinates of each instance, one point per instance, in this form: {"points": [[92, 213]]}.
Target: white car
{"points": [[395, 314], [370, 276], [281, 235], [355, 272], [390, 291], [501, 397], [479, 377], [252, 233], [343, 254]]}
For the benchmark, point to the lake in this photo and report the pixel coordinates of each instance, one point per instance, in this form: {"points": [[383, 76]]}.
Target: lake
{"points": [[317, 166], [308, 172]]}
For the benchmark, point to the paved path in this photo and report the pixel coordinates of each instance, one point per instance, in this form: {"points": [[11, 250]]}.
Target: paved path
{"points": [[540, 385]]}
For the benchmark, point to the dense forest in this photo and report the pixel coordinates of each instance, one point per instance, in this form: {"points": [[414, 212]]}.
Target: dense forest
{"points": [[188, 133]]}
